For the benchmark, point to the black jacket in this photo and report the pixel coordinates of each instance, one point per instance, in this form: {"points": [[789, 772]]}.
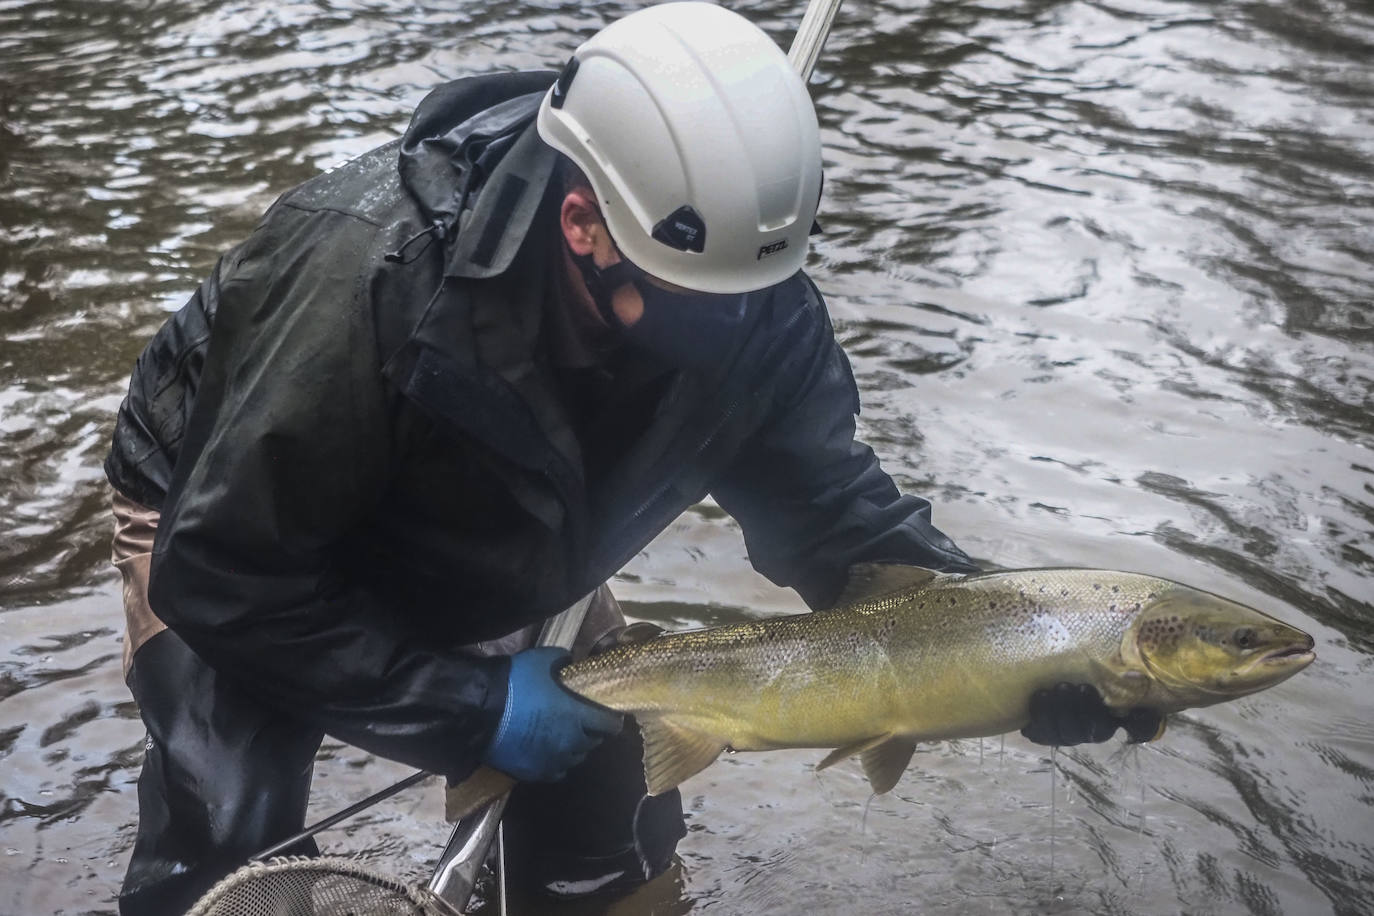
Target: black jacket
{"points": [[363, 458]]}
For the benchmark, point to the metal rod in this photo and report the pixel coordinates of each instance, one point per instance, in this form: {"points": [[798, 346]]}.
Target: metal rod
{"points": [[459, 866], [501, 864], [811, 35], [343, 815], [561, 630], [456, 873]]}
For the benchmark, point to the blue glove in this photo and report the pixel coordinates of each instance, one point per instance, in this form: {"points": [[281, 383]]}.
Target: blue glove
{"points": [[545, 729]]}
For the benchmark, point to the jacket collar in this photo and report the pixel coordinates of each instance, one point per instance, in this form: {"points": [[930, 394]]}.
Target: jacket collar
{"points": [[492, 232], [473, 163], [468, 360]]}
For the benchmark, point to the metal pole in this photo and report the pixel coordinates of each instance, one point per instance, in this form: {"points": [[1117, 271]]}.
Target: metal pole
{"points": [[456, 873], [343, 815], [459, 866], [811, 35]]}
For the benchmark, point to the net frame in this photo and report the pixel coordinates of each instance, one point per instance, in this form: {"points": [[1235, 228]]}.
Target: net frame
{"points": [[289, 886]]}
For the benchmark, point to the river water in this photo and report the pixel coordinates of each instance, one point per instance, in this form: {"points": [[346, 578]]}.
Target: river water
{"points": [[1104, 271]]}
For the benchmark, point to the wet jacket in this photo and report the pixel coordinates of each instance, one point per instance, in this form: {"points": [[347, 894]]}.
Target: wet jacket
{"points": [[363, 458]]}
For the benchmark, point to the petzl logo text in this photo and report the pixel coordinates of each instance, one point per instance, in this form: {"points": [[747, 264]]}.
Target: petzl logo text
{"points": [[772, 248]]}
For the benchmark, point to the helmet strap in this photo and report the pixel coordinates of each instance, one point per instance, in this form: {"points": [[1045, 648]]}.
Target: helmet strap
{"points": [[602, 282]]}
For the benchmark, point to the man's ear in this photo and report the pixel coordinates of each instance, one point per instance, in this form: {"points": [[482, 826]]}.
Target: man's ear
{"points": [[580, 220]]}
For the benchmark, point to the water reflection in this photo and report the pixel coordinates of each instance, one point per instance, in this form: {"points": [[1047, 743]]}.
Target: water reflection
{"points": [[1103, 270]]}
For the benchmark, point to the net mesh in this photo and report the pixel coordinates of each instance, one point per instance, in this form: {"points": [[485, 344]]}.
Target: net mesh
{"points": [[329, 886]]}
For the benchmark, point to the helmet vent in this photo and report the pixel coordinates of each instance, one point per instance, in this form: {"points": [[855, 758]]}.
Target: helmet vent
{"points": [[682, 229], [564, 81]]}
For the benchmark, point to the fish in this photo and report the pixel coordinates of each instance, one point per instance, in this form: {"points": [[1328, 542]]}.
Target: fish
{"points": [[910, 655]]}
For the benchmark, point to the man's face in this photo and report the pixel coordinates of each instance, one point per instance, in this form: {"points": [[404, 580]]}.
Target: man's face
{"points": [[683, 328]]}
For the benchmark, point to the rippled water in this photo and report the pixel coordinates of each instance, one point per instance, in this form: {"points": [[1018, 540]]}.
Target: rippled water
{"points": [[1105, 274]]}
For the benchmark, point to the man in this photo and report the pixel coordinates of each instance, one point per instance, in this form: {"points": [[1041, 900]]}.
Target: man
{"points": [[448, 388]]}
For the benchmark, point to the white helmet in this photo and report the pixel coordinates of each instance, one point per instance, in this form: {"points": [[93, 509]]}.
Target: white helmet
{"points": [[700, 141]]}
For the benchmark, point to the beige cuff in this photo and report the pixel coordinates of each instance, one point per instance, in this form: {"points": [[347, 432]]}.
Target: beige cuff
{"points": [[132, 553]]}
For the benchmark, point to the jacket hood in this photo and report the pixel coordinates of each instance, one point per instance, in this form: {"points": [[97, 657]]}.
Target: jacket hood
{"points": [[474, 164]]}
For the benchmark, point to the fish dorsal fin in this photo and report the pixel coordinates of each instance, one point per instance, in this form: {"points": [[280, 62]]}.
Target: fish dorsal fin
{"points": [[849, 750], [885, 763], [673, 752], [869, 580]]}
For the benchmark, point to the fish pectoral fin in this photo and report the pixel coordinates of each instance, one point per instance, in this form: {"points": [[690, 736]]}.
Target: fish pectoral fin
{"points": [[673, 752], [868, 580], [849, 750], [472, 793], [884, 757], [885, 763]]}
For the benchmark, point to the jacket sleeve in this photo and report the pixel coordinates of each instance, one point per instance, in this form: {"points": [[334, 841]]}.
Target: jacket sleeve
{"points": [[153, 415], [811, 499], [286, 454]]}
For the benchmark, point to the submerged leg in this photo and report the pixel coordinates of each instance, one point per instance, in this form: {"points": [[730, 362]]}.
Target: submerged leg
{"points": [[223, 777], [596, 831]]}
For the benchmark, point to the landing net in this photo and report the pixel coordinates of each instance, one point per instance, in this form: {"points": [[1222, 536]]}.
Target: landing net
{"points": [[329, 886]]}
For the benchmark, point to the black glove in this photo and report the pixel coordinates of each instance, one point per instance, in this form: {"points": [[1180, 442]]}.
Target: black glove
{"points": [[1068, 714]]}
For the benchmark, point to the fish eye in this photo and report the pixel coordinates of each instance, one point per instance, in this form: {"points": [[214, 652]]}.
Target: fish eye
{"points": [[1245, 638]]}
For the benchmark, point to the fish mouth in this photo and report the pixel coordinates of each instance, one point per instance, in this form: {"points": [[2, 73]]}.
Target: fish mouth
{"points": [[1272, 667], [1297, 654], [1293, 655]]}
